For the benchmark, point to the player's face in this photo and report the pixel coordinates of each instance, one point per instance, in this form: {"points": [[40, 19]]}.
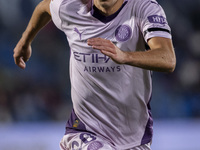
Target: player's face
{"points": [[108, 4]]}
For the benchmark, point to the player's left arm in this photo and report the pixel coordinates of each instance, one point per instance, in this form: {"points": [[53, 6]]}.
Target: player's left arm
{"points": [[160, 57]]}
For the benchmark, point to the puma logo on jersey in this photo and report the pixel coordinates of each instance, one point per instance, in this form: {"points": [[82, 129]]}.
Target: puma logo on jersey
{"points": [[79, 33]]}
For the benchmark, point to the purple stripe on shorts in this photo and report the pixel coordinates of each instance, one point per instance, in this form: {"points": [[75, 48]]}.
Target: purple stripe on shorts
{"points": [[74, 125], [148, 134]]}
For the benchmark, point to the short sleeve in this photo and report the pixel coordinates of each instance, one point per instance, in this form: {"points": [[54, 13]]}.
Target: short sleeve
{"points": [[55, 9], [152, 20]]}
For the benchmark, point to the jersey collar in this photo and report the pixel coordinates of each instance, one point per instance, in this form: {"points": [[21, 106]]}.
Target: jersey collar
{"points": [[105, 19]]}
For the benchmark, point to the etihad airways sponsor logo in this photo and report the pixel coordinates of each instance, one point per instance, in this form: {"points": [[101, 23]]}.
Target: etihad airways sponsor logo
{"points": [[101, 69], [92, 58]]}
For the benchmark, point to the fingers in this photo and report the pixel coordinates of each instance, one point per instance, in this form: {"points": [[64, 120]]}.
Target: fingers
{"points": [[98, 42], [19, 61], [108, 48], [102, 45], [22, 63], [22, 53]]}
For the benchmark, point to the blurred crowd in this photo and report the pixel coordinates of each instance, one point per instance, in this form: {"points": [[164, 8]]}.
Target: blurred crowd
{"points": [[42, 91]]}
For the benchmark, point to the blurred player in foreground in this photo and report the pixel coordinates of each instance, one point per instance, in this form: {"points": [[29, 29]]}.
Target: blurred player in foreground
{"points": [[115, 45]]}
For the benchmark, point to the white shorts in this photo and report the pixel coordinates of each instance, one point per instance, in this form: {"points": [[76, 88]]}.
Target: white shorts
{"points": [[89, 141]]}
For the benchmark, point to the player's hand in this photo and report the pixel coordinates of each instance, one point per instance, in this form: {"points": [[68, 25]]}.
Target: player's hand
{"points": [[22, 53], [108, 48]]}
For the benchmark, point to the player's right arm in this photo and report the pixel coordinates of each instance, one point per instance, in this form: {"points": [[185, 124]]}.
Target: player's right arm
{"points": [[40, 17]]}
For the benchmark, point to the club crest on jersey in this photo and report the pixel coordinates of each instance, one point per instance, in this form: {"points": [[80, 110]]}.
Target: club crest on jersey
{"points": [[123, 33]]}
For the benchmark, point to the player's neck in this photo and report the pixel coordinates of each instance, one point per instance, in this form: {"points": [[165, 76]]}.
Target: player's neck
{"points": [[107, 8]]}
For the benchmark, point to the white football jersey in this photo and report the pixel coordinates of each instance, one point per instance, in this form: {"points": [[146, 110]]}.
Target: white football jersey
{"points": [[109, 99]]}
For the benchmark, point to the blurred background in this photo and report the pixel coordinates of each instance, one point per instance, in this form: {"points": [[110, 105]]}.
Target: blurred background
{"points": [[35, 103]]}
